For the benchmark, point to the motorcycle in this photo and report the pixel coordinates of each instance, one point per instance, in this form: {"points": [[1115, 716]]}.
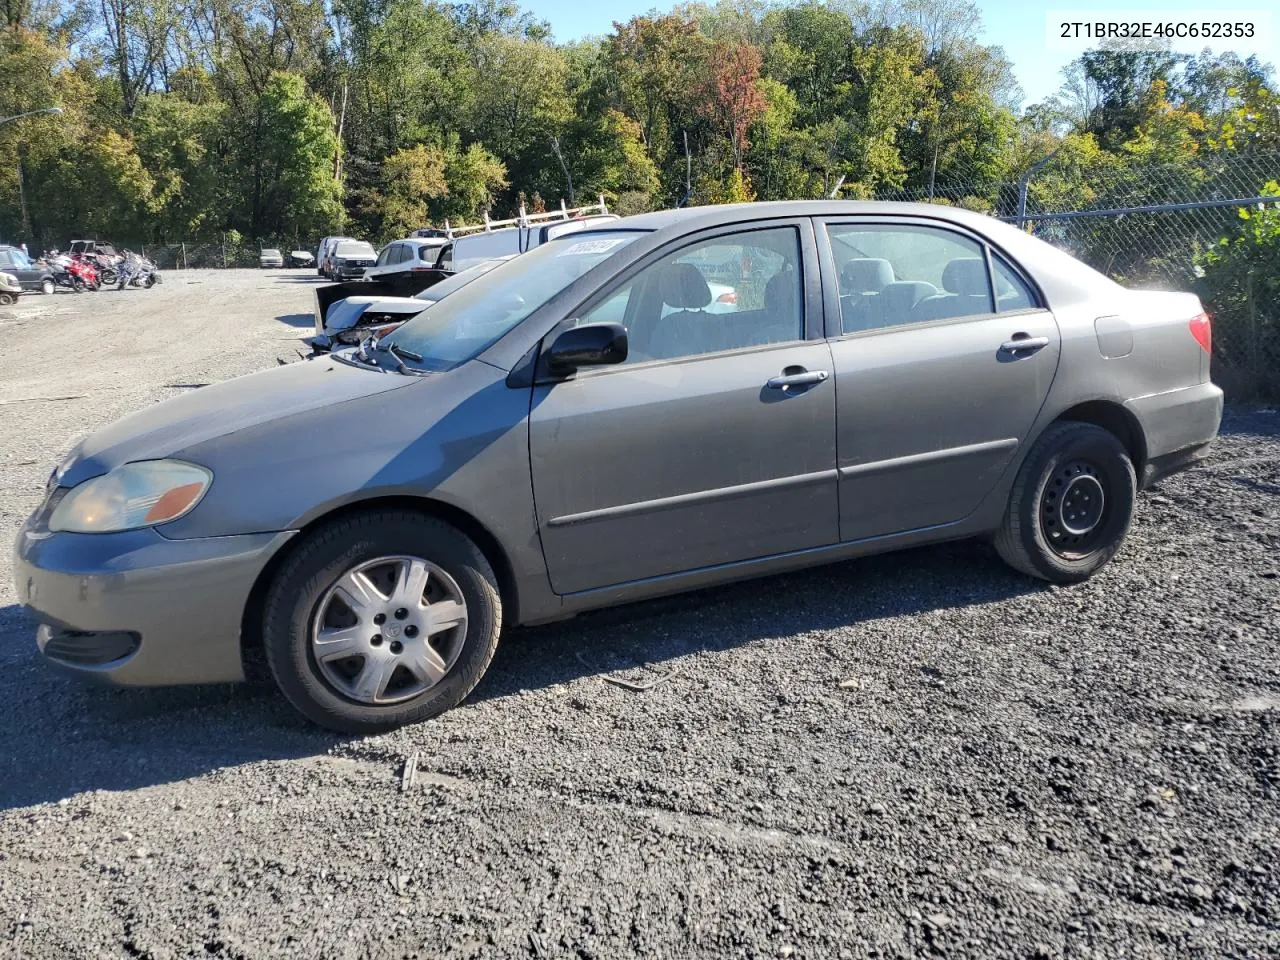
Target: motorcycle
{"points": [[65, 273], [86, 272], [137, 271], [106, 266]]}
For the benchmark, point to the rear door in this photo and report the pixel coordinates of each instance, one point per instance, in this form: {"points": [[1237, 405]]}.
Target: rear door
{"points": [[715, 441], [943, 357]]}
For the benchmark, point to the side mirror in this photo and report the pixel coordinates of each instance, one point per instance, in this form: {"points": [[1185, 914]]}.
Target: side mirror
{"points": [[592, 345]]}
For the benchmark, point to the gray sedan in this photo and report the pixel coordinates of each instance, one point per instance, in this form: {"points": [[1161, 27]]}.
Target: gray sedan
{"points": [[581, 428]]}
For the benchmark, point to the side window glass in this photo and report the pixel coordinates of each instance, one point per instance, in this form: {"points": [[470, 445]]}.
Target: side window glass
{"points": [[890, 276], [1012, 292], [726, 293], [385, 256]]}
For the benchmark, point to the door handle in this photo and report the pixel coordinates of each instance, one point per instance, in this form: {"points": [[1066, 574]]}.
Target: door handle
{"points": [[1022, 342], [802, 378]]}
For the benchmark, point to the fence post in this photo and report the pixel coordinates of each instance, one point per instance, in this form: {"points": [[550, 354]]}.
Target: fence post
{"points": [[184, 254], [224, 251]]}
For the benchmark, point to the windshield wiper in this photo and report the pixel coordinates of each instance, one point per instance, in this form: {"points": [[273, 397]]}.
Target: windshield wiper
{"points": [[399, 354]]}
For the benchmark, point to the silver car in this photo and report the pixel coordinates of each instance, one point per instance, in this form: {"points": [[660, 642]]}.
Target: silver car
{"points": [[891, 375]]}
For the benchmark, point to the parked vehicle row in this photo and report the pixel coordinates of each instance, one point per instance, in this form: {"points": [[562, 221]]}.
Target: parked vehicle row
{"points": [[87, 266], [271, 257]]}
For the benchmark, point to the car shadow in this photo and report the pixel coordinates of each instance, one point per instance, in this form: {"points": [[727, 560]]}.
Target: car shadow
{"points": [[297, 319], [61, 736], [624, 639]]}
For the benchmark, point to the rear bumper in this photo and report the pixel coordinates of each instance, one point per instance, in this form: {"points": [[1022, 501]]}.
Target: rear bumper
{"points": [[139, 609], [1178, 423]]}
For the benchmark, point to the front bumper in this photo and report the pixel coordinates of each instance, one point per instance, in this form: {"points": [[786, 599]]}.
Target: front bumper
{"points": [[179, 603], [352, 272]]}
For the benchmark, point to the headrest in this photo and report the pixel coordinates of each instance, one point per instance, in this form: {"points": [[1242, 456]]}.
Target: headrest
{"points": [[684, 287], [966, 276], [865, 275], [901, 295], [781, 294]]}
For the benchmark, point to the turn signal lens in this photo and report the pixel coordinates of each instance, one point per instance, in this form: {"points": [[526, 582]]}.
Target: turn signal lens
{"points": [[1202, 330]]}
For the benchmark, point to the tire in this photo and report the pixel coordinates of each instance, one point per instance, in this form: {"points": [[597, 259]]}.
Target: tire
{"points": [[47, 286], [305, 595], [1056, 527], [7, 299], [149, 282]]}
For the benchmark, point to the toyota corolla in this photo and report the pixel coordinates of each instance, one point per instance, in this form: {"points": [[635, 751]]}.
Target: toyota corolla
{"points": [[584, 427]]}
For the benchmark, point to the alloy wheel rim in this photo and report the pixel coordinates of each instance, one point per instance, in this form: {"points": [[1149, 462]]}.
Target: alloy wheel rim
{"points": [[1073, 508], [389, 629]]}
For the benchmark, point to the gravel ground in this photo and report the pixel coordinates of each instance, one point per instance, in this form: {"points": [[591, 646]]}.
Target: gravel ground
{"points": [[922, 754]]}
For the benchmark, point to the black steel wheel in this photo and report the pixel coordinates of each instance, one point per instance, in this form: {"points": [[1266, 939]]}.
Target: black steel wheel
{"points": [[1070, 506]]}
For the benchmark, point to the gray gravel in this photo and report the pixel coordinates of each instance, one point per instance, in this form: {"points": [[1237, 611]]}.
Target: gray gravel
{"points": [[922, 754]]}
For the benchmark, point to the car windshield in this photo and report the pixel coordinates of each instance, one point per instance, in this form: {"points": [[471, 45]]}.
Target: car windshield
{"points": [[462, 325], [355, 249], [456, 282], [271, 253]]}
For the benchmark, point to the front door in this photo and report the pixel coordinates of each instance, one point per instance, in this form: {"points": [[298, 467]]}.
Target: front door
{"points": [[938, 380], [715, 441]]}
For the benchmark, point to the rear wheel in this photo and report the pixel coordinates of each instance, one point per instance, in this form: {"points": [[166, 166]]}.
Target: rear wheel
{"points": [[380, 620], [7, 299], [1070, 506]]}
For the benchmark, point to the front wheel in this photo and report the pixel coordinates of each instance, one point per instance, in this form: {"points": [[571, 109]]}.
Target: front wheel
{"points": [[381, 620], [1070, 506], [47, 286]]}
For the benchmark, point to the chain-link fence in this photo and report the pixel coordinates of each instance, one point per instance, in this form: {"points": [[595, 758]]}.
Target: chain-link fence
{"points": [[228, 251]]}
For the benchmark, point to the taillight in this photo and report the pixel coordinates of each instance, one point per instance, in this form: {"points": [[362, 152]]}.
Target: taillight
{"points": [[1202, 329], [730, 297]]}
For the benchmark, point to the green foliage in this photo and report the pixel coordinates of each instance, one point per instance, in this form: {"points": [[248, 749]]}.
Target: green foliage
{"points": [[299, 152], [295, 118], [1241, 287]]}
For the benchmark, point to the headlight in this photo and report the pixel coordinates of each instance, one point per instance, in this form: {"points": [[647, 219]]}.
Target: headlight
{"points": [[132, 496]]}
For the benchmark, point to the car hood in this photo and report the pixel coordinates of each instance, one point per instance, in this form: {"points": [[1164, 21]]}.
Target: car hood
{"points": [[209, 412], [346, 314]]}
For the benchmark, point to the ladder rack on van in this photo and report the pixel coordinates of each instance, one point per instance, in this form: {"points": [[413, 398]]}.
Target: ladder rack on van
{"points": [[525, 219]]}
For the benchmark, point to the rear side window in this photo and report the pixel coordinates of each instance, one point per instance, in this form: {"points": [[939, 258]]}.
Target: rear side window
{"points": [[891, 276], [1012, 292]]}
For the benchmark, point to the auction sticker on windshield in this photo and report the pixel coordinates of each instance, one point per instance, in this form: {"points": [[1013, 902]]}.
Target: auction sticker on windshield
{"points": [[600, 245]]}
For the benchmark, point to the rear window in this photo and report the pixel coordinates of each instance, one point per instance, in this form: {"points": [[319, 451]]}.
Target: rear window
{"points": [[484, 246], [355, 249]]}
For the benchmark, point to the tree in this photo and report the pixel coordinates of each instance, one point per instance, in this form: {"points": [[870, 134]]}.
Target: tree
{"points": [[732, 101], [298, 147], [414, 179]]}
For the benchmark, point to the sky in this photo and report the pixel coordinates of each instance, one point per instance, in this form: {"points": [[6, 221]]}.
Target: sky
{"points": [[1019, 26]]}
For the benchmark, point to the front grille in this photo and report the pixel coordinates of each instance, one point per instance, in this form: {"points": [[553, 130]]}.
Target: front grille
{"points": [[89, 648]]}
